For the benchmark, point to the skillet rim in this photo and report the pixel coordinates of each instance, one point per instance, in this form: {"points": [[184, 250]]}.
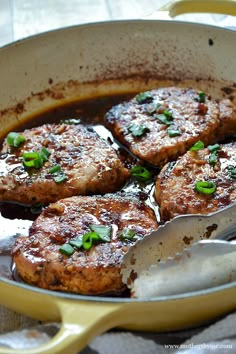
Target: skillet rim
{"points": [[110, 299], [113, 23]]}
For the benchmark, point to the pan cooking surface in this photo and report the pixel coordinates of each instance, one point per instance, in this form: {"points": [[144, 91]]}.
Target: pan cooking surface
{"points": [[15, 220]]}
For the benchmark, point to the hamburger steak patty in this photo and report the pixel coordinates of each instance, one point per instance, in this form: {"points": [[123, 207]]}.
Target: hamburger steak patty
{"points": [[95, 271], [177, 191], [159, 125], [87, 163]]}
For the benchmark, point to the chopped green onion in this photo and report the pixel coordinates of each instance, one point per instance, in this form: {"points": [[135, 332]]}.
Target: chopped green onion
{"points": [[168, 114], [104, 232], [230, 168], [15, 139], [202, 97], [166, 117], [152, 107], [98, 233], [35, 159], [173, 131], [232, 171], [32, 159], [45, 153], [58, 175], [144, 97], [213, 148], [205, 187], [141, 174], [55, 169], [199, 145], [138, 130], [163, 119], [214, 153], [213, 158], [77, 242], [67, 249], [59, 178], [126, 234], [89, 238]]}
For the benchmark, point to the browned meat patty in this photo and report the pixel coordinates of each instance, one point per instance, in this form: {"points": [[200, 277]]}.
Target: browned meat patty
{"points": [[162, 124], [180, 188], [227, 120], [40, 262], [86, 164]]}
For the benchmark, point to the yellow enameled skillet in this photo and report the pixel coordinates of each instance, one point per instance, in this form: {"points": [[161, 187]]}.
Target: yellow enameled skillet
{"points": [[74, 63]]}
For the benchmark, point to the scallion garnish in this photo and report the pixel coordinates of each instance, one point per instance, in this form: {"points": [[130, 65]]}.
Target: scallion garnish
{"points": [[214, 153], [35, 159], [152, 107], [205, 187], [126, 234], [89, 238], [165, 117], [173, 131], [45, 153], [144, 97], [232, 171], [213, 158], [168, 114], [199, 145], [58, 175], [98, 233], [59, 178], [55, 169], [141, 174], [67, 249], [32, 159], [202, 97], [104, 232], [138, 130], [213, 148], [77, 242], [15, 139]]}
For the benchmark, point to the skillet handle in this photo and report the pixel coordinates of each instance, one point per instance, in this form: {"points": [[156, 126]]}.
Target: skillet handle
{"points": [[179, 7], [81, 322]]}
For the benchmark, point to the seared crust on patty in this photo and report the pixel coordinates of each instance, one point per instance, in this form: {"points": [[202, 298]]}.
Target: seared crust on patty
{"points": [[175, 190], [88, 162], [227, 120], [189, 116], [39, 261]]}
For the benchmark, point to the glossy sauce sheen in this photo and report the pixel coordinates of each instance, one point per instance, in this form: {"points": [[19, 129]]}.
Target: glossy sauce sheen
{"points": [[16, 219], [95, 271]]}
